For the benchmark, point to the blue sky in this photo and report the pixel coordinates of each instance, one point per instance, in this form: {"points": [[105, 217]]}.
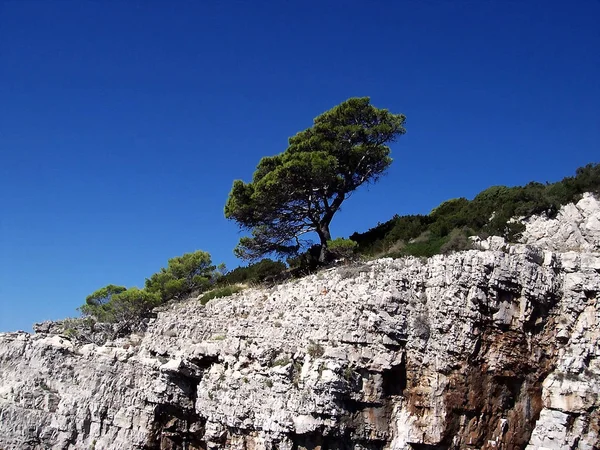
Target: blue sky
{"points": [[124, 123]]}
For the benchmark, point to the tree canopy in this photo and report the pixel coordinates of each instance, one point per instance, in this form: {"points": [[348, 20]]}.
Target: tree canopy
{"points": [[120, 304], [300, 190], [183, 275], [104, 295]]}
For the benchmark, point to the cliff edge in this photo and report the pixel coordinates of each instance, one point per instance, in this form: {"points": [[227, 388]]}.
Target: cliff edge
{"points": [[495, 348]]}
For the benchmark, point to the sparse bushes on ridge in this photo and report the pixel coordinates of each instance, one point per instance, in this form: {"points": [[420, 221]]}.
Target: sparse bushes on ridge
{"points": [[220, 292], [458, 240], [94, 303], [183, 276], [446, 229], [191, 272], [489, 213], [130, 304], [430, 247]]}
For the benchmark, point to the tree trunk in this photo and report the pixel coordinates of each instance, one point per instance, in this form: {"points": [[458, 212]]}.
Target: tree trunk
{"points": [[324, 236]]}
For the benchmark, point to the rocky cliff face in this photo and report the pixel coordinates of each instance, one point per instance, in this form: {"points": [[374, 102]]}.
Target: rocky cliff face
{"points": [[484, 349]]}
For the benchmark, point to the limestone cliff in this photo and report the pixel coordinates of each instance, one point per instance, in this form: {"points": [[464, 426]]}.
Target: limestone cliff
{"points": [[495, 348]]}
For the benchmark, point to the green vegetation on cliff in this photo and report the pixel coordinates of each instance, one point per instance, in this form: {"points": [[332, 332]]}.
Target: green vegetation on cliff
{"points": [[489, 213], [300, 191], [191, 272], [444, 230]]}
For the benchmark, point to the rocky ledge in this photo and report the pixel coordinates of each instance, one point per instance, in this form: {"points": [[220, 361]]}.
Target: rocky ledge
{"points": [[495, 348]]}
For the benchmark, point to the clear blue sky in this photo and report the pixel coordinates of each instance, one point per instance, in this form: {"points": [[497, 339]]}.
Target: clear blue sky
{"points": [[124, 123]]}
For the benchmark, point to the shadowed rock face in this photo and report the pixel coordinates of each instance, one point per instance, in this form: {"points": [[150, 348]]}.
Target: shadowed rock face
{"points": [[490, 349]]}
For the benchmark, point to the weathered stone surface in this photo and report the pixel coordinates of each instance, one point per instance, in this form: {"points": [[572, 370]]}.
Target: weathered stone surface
{"points": [[577, 227], [480, 349]]}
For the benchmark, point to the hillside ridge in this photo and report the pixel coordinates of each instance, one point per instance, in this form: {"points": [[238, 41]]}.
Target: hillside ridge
{"points": [[491, 348]]}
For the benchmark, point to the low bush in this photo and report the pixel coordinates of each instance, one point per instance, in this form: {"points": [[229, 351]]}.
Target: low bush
{"points": [[254, 273], [125, 306], [342, 248], [183, 275], [315, 350], [458, 240], [224, 291]]}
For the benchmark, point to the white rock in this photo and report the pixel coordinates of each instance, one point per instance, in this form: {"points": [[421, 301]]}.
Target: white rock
{"points": [[402, 353]]}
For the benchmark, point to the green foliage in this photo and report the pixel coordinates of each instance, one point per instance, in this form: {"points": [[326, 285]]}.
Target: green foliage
{"points": [[131, 304], [449, 215], [491, 212], [348, 373], [342, 248], [183, 275], [301, 189], [445, 229], [458, 240], [307, 260], [427, 248], [104, 295], [283, 361], [385, 235], [127, 305], [71, 333], [254, 273], [220, 292]]}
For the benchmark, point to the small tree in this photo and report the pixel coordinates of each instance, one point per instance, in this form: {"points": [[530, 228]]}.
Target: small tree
{"points": [[118, 304], [300, 190], [342, 248], [104, 295], [130, 305], [183, 275], [96, 301]]}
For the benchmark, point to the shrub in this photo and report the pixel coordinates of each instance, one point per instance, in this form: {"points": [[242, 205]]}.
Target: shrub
{"points": [[348, 373], [457, 241], [131, 304], [220, 292], [125, 306], [283, 361], [425, 248], [267, 268], [254, 273], [315, 350], [307, 261], [183, 275], [71, 333], [489, 213], [95, 301], [342, 248]]}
